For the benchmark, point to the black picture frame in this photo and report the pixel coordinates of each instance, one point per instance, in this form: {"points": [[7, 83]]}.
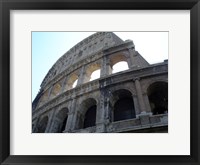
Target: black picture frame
{"points": [[7, 5]]}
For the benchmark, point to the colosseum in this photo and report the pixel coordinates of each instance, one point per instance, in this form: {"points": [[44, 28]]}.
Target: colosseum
{"points": [[130, 101]]}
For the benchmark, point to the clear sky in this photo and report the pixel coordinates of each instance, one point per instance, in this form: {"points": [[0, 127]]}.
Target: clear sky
{"points": [[48, 47]]}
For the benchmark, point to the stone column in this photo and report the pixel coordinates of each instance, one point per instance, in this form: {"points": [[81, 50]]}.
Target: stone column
{"points": [[70, 125], [136, 105], [50, 121], [105, 66], [131, 55], [64, 84], [34, 126], [146, 99], [72, 119], [100, 126], [81, 76], [103, 111], [140, 96], [50, 91]]}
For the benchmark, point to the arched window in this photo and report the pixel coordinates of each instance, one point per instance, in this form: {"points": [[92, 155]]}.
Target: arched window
{"points": [[92, 72], [118, 62], [90, 117], [120, 66], [61, 120], [88, 113], [44, 97], [75, 83], [72, 81], [158, 97], [42, 125], [123, 105], [56, 90], [95, 75]]}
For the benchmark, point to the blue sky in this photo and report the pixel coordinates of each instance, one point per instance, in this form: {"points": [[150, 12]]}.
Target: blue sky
{"points": [[48, 47]]}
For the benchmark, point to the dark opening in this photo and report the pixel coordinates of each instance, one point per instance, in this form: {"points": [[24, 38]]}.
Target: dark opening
{"points": [[62, 120], [158, 97], [90, 117], [42, 125], [124, 109], [63, 124]]}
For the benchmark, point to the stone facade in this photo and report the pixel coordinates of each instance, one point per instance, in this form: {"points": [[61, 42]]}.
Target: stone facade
{"points": [[134, 100]]}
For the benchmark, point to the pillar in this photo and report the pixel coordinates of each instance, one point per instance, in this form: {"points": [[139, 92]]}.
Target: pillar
{"points": [[34, 126], [136, 105], [64, 82], [81, 76], [131, 55], [140, 96], [50, 122], [50, 90], [72, 119], [103, 111], [146, 99], [105, 67]]}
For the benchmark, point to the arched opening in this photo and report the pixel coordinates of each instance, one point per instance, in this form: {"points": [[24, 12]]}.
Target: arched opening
{"points": [[90, 117], [88, 113], [92, 72], [75, 83], [56, 90], [158, 97], [95, 75], [71, 81], [44, 97], [120, 66], [61, 120], [118, 62], [123, 105], [42, 125]]}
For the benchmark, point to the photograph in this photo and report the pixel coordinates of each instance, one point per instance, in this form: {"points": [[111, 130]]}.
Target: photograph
{"points": [[100, 82]]}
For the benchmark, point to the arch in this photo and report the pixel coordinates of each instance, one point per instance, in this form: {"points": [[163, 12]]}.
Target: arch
{"points": [[70, 82], [90, 70], [119, 59], [44, 97], [120, 66], [90, 117], [123, 105], [88, 113], [61, 120], [95, 75], [75, 83], [56, 90], [153, 80], [158, 97], [42, 125]]}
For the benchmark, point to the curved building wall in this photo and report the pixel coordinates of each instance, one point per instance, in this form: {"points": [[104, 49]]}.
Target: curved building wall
{"points": [[92, 106]]}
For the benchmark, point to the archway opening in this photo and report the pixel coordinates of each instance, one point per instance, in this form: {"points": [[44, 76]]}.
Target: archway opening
{"points": [[95, 75], [123, 105], [90, 117], [56, 90], [62, 116], [72, 81], [75, 83], [61, 119], [120, 66], [92, 72], [88, 110], [42, 125], [158, 97]]}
